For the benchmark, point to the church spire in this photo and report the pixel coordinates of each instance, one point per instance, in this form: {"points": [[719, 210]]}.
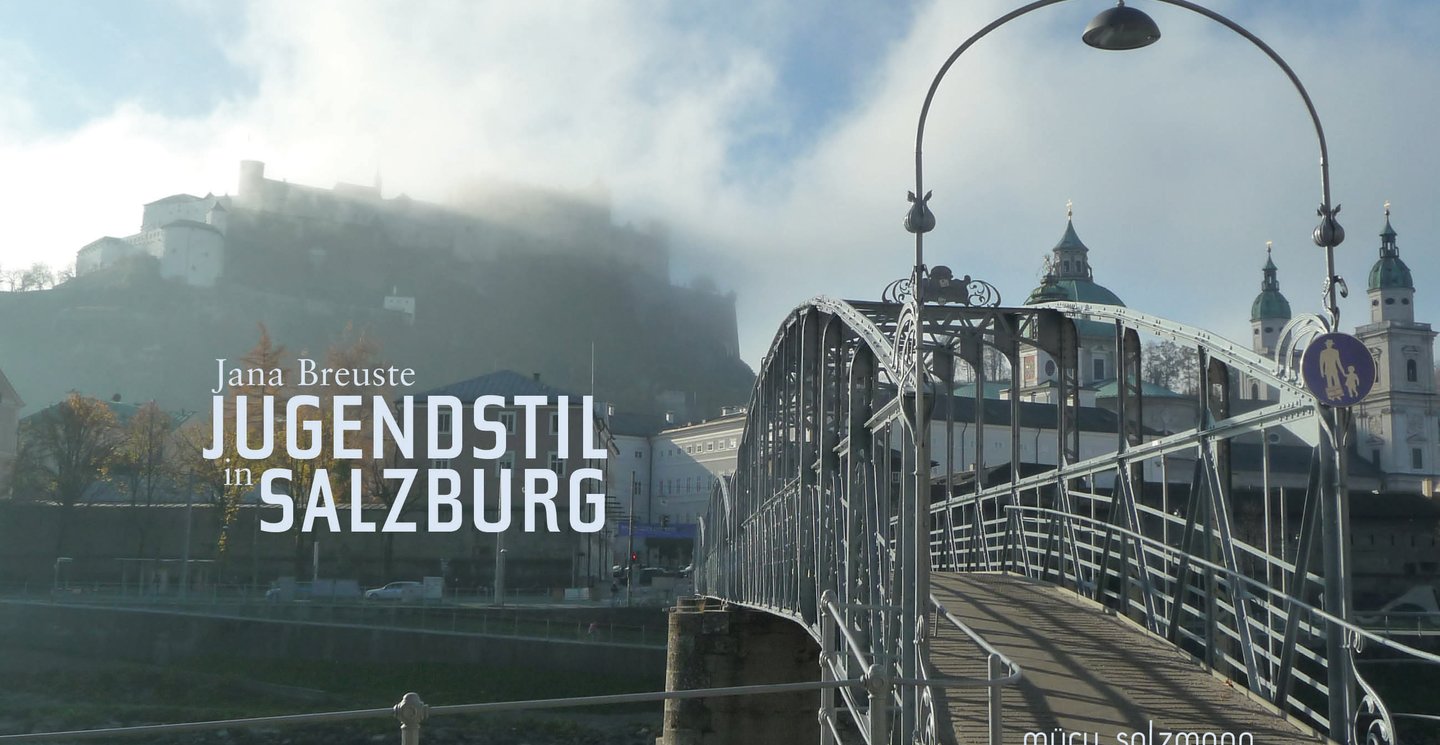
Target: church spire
{"points": [[1270, 304], [1269, 283], [1388, 249], [1071, 257], [1390, 272]]}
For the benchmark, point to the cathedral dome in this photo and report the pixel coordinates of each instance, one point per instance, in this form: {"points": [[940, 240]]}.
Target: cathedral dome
{"points": [[1390, 272], [1074, 290], [1269, 303], [1068, 275]]}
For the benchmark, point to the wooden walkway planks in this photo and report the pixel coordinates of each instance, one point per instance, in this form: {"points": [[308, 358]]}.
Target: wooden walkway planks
{"points": [[1084, 671]]}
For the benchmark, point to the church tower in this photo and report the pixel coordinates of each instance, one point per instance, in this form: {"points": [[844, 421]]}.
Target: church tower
{"points": [[1070, 258], [1270, 311], [1268, 315], [1398, 424], [1068, 277], [1392, 291]]}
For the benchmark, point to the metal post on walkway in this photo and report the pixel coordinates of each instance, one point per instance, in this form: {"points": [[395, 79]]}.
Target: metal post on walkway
{"points": [[827, 652], [879, 705], [996, 672], [411, 712]]}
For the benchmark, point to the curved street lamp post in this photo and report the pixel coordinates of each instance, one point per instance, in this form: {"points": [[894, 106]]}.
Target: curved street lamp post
{"points": [[1118, 28]]}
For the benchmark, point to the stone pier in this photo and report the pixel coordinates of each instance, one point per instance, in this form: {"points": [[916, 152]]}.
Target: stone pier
{"points": [[714, 646]]}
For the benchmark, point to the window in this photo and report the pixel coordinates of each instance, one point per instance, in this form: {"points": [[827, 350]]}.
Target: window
{"points": [[1389, 301], [1417, 459], [1099, 369], [555, 421], [439, 464], [557, 464], [1049, 368], [709, 447], [1412, 374], [507, 419], [732, 442], [1255, 391], [640, 454], [442, 425], [507, 461], [1269, 329], [1404, 301]]}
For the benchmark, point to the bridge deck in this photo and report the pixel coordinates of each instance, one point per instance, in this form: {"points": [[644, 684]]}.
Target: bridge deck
{"points": [[1084, 671]]}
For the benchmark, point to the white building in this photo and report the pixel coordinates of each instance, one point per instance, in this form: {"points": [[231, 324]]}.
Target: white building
{"points": [[1398, 424], [1068, 276], [687, 462], [185, 233]]}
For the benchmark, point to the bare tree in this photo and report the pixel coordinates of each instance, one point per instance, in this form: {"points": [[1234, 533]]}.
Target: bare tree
{"points": [[1170, 365], [145, 462], [37, 277], [266, 356], [67, 448]]}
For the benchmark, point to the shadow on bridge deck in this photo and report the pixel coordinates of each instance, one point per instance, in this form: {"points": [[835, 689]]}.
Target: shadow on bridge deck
{"points": [[1084, 671]]}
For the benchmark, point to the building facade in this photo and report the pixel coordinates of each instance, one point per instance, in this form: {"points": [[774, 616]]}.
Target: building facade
{"points": [[10, 406], [1398, 424], [539, 558]]}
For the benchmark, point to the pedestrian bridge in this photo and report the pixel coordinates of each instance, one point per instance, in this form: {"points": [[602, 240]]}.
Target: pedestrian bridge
{"points": [[1087, 675], [1014, 586]]}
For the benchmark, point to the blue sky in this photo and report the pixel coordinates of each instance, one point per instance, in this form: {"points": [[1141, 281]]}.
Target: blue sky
{"points": [[774, 139]]}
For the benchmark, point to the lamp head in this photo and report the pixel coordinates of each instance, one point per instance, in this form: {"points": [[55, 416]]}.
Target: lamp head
{"points": [[1121, 28]]}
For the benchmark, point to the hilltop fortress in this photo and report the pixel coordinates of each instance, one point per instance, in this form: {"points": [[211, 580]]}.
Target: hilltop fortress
{"points": [[188, 234], [507, 277]]}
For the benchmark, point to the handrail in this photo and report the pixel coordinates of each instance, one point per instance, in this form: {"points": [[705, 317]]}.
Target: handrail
{"points": [[1015, 673], [856, 648], [996, 662], [1268, 590], [413, 709]]}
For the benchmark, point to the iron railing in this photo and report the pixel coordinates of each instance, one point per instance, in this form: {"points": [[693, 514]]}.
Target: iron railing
{"points": [[818, 521]]}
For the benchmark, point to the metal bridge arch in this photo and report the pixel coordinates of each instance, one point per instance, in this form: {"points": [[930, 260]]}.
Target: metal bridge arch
{"points": [[807, 526]]}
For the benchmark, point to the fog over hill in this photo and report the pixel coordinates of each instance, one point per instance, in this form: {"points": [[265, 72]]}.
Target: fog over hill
{"points": [[531, 286]]}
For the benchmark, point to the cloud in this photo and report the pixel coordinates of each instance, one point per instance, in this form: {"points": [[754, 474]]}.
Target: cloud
{"points": [[1182, 159]]}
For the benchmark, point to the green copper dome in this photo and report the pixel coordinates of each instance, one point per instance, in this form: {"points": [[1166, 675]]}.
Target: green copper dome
{"points": [[1389, 272], [1075, 290], [1068, 275], [1269, 303]]}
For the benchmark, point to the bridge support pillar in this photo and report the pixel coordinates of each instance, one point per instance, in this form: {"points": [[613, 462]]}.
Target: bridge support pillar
{"points": [[711, 646]]}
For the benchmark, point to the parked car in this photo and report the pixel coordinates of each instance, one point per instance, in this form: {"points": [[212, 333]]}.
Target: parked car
{"points": [[288, 591], [402, 591], [327, 590]]}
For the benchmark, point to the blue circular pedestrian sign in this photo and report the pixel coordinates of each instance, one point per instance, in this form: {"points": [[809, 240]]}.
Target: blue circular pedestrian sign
{"points": [[1338, 369]]}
